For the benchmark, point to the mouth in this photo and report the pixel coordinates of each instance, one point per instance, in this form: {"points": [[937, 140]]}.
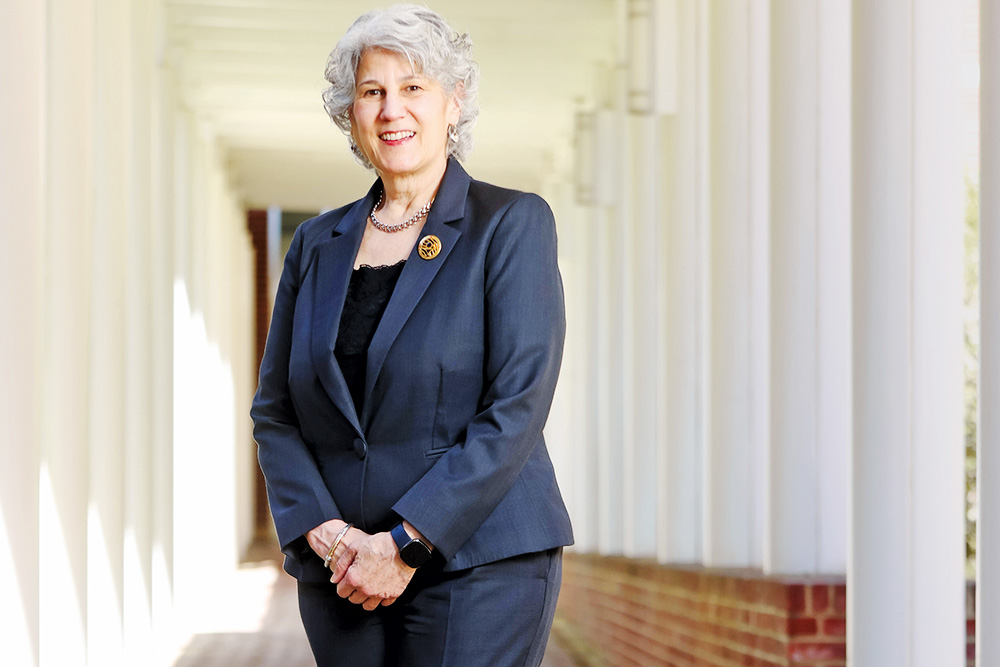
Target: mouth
{"points": [[397, 136]]}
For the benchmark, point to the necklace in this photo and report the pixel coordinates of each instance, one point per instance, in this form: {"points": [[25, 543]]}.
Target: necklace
{"points": [[389, 229]]}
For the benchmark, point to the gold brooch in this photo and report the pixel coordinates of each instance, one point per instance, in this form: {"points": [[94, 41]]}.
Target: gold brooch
{"points": [[429, 247]]}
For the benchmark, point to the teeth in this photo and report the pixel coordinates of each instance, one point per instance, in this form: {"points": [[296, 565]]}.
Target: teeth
{"points": [[396, 136]]}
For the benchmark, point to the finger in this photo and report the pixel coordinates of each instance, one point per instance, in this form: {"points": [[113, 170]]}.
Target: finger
{"points": [[344, 589], [370, 604], [357, 597], [388, 601], [343, 563]]}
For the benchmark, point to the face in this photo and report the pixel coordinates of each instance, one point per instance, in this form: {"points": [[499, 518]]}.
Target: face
{"points": [[400, 118]]}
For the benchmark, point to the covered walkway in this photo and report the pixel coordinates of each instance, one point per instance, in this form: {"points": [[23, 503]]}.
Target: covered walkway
{"points": [[760, 423]]}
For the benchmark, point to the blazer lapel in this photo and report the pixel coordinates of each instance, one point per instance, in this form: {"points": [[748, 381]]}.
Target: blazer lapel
{"points": [[418, 273], [334, 264]]}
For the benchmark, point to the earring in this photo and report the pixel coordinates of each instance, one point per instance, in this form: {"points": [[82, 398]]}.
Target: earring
{"points": [[453, 133]]}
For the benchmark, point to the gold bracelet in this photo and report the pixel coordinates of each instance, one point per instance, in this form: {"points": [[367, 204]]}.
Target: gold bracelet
{"points": [[336, 543]]}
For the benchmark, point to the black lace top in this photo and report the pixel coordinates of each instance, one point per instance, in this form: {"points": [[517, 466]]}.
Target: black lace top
{"points": [[367, 296]]}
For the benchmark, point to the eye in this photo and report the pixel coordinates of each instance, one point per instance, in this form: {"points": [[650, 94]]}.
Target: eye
{"points": [[371, 92], [413, 88]]}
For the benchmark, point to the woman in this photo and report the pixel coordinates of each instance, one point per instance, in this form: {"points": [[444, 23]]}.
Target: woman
{"points": [[410, 365]]}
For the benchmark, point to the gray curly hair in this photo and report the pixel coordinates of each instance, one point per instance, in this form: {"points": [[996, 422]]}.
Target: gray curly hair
{"points": [[432, 48]]}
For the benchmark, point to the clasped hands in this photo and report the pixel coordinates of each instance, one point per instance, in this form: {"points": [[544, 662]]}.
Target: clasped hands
{"points": [[366, 568]]}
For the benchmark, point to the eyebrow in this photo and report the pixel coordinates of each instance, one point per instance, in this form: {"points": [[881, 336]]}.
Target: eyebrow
{"points": [[408, 77]]}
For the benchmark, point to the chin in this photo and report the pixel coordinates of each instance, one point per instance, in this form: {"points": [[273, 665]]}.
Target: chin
{"points": [[398, 167]]}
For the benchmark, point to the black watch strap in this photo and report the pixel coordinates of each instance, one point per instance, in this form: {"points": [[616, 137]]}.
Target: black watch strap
{"points": [[413, 552]]}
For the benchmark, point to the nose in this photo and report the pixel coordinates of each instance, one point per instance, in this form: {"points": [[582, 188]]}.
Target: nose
{"points": [[392, 106]]}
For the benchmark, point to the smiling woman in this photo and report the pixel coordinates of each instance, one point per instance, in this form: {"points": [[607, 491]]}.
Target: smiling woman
{"points": [[400, 119], [410, 365], [432, 51]]}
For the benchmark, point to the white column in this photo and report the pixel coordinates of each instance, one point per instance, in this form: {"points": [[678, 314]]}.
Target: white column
{"points": [[644, 261], [758, 71], [808, 155], [164, 222], [22, 128], [243, 357], [587, 524], [906, 584], [607, 270], [653, 76], [682, 153], [988, 455], [620, 232], [138, 351], [107, 333], [792, 502], [207, 363], [193, 377], [565, 436], [728, 490], [834, 282], [637, 225], [64, 481], [582, 299], [185, 423]]}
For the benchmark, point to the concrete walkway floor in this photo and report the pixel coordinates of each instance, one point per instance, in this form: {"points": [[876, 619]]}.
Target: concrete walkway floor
{"points": [[256, 624]]}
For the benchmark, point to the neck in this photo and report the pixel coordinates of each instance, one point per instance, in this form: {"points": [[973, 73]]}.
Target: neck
{"points": [[412, 190]]}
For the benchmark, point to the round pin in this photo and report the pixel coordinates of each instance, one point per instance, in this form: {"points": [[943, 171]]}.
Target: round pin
{"points": [[429, 247]]}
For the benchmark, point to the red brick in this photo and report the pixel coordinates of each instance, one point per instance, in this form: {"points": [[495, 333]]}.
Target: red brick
{"points": [[809, 652], [769, 645], [801, 626], [772, 596], [835, 627], [820, 598], [762, 662], [796, 598], [770, 623], [840, 599]]}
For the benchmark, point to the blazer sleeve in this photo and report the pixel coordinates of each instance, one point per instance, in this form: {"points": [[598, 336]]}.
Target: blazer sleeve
{"points": [[525, 327], [298, 497]]}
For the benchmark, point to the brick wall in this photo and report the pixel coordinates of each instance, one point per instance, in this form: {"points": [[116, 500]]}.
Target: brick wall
{"points": [[620, 611], [257, 224], [970, 624]]}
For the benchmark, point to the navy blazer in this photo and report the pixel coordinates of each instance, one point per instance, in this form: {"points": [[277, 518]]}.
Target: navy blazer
{"points": [[460, 377]]}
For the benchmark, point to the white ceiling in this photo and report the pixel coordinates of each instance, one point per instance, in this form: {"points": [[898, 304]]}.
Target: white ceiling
{"points": [[253, 69]]}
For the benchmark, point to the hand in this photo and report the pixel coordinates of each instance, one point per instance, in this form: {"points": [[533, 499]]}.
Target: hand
{"points": [[370, 572], [321, 537]]}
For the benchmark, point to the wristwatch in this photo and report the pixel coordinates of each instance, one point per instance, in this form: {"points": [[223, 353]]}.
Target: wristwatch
{"points": [[412, 551]]}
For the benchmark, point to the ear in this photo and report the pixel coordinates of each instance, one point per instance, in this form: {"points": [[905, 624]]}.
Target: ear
{"points": [[455, 104], [350, 117]]}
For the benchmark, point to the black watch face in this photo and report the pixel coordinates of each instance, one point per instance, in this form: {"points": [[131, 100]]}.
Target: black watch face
{"points": [[415, 554]]}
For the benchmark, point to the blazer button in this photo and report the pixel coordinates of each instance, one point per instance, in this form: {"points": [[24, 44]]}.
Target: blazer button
{"points": [[360, 448]]}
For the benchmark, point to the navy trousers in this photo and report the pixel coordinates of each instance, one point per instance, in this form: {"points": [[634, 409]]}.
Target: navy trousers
{"points": [[493, 615]]}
